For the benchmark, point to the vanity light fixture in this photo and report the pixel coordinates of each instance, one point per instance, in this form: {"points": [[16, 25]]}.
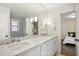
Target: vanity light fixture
{"points": [[34, 19], [48, 23], [45, 22]]}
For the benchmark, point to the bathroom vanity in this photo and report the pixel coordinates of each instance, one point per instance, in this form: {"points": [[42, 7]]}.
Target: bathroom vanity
{"points": [[37, 46]]}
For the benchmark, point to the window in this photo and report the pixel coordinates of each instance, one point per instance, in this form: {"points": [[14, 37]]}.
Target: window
{"points": [[15, 25]]}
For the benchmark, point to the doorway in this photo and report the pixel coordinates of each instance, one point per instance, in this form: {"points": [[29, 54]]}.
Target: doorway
{"points": [[68, 33]]}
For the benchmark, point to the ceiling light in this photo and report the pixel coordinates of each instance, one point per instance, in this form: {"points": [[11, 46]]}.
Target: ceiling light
{"points": [[71, 15]]}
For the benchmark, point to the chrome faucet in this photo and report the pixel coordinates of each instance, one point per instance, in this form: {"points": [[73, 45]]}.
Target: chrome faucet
{"points": [[13, 40], [9, 41]]}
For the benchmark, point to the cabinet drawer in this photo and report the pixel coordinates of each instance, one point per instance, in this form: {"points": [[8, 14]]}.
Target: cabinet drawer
{"points": [[43, 49], [34, 52], [46, 48], [22, 54]]}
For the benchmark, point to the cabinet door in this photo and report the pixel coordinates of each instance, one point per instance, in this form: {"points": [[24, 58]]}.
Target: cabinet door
{"points": [[34, 51], [52, 46], [46, 48], [55, 44], [49, 47]]}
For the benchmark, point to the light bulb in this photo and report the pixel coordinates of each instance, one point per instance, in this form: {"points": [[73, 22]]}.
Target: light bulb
{"points": [[31, 19], [35, 19]]}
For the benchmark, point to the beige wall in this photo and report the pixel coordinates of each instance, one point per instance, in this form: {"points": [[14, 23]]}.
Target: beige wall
{"points": [[68, 25]]}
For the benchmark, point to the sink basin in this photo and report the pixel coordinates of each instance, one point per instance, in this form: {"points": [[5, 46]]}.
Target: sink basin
{"points": [[17, 46], [26, 43]]}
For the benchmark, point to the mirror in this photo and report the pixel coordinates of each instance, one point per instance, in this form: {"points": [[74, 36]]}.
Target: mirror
{"points": [[25, 23], [17, 27], [23, 26], [32, 26]]}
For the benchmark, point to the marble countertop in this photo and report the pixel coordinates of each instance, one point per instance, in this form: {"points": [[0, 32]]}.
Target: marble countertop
{"points": [[19, 47]]}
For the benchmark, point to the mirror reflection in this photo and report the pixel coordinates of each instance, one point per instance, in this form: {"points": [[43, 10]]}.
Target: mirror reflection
{"points": [[21, 27]]}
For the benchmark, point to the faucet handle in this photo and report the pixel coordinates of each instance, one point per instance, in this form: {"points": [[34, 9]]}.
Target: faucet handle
{"points": [[13, 40], [18, 40]]}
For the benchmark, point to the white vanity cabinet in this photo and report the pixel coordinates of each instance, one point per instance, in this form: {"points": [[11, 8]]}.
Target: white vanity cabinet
{"points": [[47, 48], [54, 45]]}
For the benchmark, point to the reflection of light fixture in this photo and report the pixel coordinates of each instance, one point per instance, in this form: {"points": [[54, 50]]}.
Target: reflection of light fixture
{"points": [[71, 15], [45, 22], [35, 19], [31, 19], [48, 23]]}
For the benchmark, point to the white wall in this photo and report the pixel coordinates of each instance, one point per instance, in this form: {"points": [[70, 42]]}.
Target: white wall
{"points": [[4, 22], [77, 21], [54, 16], [29, 26]]}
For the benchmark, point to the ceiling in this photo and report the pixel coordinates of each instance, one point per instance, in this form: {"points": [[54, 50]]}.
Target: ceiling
{"points": [[28, 9], [69, 15]]}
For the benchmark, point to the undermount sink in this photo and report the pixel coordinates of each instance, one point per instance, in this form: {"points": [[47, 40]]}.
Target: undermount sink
{"points": [[18, 45]]}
